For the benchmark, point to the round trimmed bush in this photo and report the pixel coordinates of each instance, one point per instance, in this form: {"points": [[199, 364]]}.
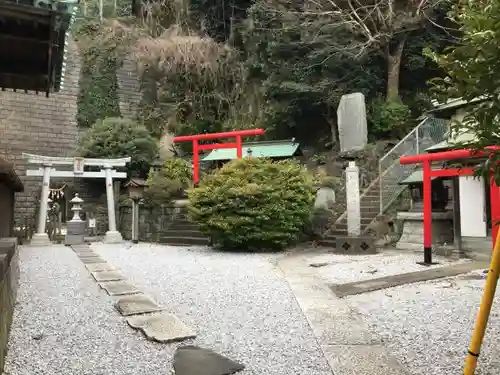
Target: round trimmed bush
{"points": [[254, 204]]}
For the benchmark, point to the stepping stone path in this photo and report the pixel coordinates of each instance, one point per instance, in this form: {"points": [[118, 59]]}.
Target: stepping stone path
{"points": [[93, 259], [83, 254], [118, 288], [193, 360], [161, 327], [107, 276], [136, 304], [97, 267]]}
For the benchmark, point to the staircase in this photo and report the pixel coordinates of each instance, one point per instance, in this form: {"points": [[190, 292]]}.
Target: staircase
{"points": [[383, 192], [182, 232]]}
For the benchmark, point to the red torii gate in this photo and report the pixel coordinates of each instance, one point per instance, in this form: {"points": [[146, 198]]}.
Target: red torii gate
{"points": [[429, 173], [202, 137]]}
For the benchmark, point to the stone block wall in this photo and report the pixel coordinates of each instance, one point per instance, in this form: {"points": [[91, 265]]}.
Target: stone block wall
{"points": [[153, 222], [9, 278]]}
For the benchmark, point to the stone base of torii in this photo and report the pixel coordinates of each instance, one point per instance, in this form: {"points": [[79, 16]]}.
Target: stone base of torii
{"points": [[47, 171]]}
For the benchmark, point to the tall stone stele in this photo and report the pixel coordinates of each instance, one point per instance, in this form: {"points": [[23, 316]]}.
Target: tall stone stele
{"points": [[351, 122]]}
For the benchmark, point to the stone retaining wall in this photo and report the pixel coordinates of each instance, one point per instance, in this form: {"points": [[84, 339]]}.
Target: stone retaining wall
{"points": [[9, 279], [153, 222]]}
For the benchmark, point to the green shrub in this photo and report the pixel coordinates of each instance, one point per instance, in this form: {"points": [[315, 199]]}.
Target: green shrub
{"points": [[162, 190], [323, 180], [116, 137], [389, 119], [169, 182], [253, 204], [178, 169]]}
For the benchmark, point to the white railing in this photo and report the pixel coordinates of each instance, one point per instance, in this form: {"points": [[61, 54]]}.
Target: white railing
{"points": [[428, 133]]}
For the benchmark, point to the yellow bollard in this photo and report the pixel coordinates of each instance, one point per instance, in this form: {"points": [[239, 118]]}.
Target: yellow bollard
{"points": [[484, 311]]}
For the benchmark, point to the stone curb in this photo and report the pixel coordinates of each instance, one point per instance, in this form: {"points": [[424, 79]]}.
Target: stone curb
{"points": [[342, 334]]}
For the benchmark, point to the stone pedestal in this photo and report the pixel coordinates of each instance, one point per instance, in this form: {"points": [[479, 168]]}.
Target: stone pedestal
{"points": [[412, 237], [40, 239], [75, 233], [358, 245], [113, 237], [353, 200]]}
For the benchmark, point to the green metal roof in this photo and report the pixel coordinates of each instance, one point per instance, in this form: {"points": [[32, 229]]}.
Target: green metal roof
{"points": [[450, 142], [271, 149], [455, 104], [415, 177]]}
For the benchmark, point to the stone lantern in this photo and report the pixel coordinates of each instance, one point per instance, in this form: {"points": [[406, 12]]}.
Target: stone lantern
{"points": [[135, 187], [77, 207], [76, 227]]}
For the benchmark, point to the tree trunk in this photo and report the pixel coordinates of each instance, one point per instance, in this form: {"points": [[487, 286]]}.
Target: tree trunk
{"points": [[333, 128], [394, 56]]}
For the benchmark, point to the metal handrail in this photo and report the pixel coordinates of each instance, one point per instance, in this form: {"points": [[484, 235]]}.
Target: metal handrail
{"points": [[415, 129], [382, 171]]}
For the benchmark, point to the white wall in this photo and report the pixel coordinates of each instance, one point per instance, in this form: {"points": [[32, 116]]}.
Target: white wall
{"points": [[472, 206]]}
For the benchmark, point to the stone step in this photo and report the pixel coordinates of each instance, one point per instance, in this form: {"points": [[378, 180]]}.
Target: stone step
{"points": [[364, 221], [171, 240], [183, 226], [370, 209], [189, 233], [370, 197]]}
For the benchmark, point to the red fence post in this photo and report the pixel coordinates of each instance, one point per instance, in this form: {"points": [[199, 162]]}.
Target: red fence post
{"points": [[427, 181], [196, 162], [239, 149], [495, 209]]}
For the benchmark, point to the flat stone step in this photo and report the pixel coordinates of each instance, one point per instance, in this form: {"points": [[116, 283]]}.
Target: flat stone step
{"points": [[95, 259], [119, 288], [193, 360], [96, 267], [107, 276], [358, 287], [171, 240], [136, 304], [163, 328]]}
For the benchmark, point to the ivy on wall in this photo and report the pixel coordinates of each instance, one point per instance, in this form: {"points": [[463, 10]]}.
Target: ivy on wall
{"points": [[98, 92], [98, 82]]}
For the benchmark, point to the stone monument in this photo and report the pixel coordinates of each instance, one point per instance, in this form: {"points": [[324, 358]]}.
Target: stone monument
{"points": [[351, 121], [353, 200], [75, 228]]}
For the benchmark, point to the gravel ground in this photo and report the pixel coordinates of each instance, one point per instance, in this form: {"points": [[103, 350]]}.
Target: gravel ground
{"points": [[64, 324], [341, 269], [426, 326], [238, 304]]}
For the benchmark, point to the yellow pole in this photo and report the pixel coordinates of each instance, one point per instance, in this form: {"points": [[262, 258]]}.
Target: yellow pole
{"points": [[484, 311]]}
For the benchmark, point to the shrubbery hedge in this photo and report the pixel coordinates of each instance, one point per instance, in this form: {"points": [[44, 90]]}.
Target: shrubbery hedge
{"points": [[254, 204]]}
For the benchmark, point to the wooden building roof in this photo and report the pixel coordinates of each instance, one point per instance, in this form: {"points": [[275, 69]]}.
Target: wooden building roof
{"points": [[32, 44]]}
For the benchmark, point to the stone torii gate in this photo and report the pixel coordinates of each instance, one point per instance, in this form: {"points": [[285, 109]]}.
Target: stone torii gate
{"points": [[46, 171]]}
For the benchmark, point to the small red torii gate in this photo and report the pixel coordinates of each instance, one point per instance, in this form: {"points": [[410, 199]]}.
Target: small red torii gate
{"points": [[429, 173], [237, 134]]}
